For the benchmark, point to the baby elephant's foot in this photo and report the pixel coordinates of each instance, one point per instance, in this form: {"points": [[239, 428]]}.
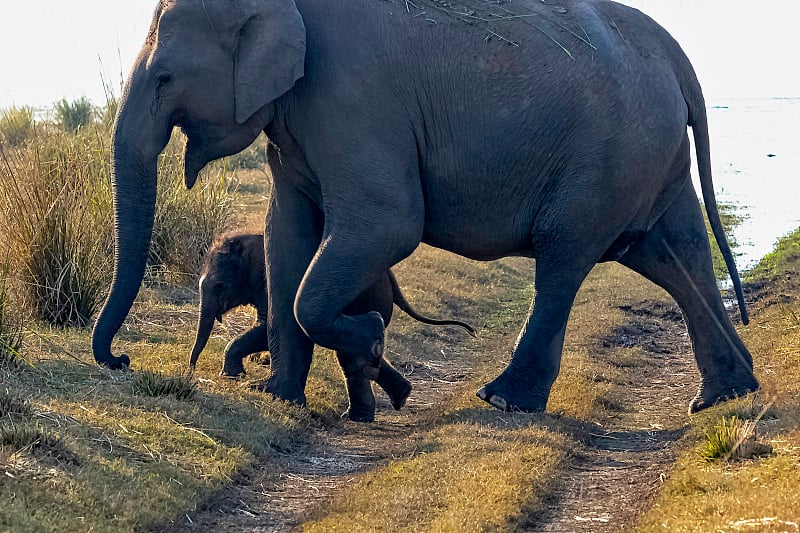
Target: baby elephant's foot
{"points": [[362, 400], [510, 394]]}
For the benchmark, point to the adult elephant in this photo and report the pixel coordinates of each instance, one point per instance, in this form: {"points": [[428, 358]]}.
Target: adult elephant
{"points": [[557, 132]]}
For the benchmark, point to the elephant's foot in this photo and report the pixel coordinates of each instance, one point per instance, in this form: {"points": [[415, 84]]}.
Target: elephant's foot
{"points": [[123, 362], [511, 394], [233, 369], [281, 391], [399, 395], [360, 415], [362, 400], [716, 391], [363, 334]]}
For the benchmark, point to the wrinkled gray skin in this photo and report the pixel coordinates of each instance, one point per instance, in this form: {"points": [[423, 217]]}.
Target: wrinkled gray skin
{"points": [[569, 146], [234, 274]]}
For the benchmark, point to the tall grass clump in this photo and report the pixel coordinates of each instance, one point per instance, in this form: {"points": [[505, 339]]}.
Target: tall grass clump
{"points": [[57, 203], [55, 197], [16, 125], [10, 330], [74, 115], [733, 438], [149, 383]]}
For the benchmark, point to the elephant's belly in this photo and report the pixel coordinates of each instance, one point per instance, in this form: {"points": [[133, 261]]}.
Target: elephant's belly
{"points": [[481, 238]]}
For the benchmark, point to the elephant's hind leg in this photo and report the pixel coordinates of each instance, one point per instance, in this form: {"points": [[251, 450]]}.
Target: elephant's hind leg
{"points": [[359, 388], [525, 385], [675, 254], [360, 368]]}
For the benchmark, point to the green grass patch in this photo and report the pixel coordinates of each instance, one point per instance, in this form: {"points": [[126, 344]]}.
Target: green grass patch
{"points": [[117, 460], [149, 383], [786, 253], [27, 436]]}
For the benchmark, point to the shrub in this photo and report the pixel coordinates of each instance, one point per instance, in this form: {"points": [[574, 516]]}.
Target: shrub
{"points": [[74, 115], [16, 125]]}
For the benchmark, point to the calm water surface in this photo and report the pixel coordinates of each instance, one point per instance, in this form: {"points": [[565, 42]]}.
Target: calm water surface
{"points": [[755, 153]]}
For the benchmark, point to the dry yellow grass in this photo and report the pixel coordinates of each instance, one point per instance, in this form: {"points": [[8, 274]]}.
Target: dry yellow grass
{"points": [[471, 468], [462, 477]]}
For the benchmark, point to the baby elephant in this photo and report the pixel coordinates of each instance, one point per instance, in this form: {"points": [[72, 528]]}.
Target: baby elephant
{"points": [[234, 275]]}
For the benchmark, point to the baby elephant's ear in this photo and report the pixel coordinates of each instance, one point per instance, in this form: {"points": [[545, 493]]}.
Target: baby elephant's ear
{"points": [[270, 55]]}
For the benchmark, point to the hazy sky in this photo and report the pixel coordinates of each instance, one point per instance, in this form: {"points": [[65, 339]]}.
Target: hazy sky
{"points": [[51, 49]]}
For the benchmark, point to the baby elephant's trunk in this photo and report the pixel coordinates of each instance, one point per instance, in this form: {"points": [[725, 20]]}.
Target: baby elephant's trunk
{"points": [[204, 326]]}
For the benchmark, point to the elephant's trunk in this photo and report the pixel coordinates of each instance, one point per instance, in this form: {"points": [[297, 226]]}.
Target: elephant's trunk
{"points": [[134, 178], [204, 326]]}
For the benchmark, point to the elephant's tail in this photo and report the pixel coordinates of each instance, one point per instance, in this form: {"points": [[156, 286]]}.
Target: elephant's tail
{"points": [[698, 121], [401, 302]]}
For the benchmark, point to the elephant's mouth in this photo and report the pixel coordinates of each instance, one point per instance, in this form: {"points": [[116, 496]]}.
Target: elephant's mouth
{"points": [[195, 156]]}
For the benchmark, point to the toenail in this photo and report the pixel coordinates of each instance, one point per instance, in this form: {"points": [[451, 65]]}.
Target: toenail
{"points": [[499, 402]]}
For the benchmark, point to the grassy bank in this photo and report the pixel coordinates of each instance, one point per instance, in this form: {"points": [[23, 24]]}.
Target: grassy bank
{"points": [[757, 494], [82, 448]]}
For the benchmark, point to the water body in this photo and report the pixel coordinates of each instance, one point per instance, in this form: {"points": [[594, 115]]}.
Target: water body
{"points": [[755, 155]]}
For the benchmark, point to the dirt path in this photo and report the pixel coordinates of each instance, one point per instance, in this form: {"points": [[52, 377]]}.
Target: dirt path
{"points": [[609, 481], [282, 493], [614, 476]]}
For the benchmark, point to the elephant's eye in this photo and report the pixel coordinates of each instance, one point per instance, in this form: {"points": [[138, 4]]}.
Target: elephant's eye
{"points": [[163, 79]]}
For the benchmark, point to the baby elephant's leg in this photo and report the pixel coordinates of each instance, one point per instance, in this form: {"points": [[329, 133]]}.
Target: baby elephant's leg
{"points": [[251, 341], [360, 368]]}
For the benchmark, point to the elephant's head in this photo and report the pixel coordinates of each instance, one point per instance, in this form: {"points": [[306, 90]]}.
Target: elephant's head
{"points": [[232, 275], [213, 68]]}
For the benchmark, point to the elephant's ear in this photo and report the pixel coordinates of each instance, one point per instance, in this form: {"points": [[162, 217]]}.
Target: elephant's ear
{"points": [[270, 56]]}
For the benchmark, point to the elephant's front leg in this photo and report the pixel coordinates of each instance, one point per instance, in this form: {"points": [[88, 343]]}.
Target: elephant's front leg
{"points": [[291, 238], [253, 340], [363, 240]]}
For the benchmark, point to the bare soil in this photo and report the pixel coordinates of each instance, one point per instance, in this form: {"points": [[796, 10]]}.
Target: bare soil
{"points": [[614, 476]]}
